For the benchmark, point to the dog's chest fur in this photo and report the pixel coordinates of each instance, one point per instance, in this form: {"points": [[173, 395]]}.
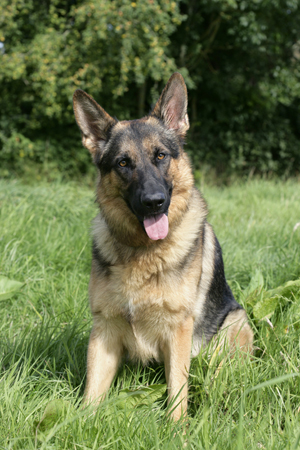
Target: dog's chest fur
{"points": [[136, 288]]}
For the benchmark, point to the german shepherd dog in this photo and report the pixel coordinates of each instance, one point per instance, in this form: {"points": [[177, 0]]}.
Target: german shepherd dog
{"points": [[157, 288]]}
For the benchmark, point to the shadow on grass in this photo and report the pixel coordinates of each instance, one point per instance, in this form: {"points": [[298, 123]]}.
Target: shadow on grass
{"points": [[55, 350], [52, 349]]}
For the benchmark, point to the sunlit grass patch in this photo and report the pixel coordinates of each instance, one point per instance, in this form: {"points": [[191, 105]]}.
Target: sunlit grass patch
{"points": [[45, 324]]}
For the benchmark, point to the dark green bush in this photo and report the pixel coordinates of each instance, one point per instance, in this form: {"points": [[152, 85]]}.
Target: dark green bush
{"points": [[240, 61]]}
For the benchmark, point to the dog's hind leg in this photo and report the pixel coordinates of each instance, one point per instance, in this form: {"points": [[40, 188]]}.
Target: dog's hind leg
{"points": [[104, 356], [177, 355], [236, 332]]}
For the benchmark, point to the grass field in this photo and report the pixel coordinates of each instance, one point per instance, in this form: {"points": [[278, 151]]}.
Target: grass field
{"points": [[45, 244]]}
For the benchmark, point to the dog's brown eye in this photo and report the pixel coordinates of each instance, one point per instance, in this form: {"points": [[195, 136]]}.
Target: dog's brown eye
{"points": [[161, 156], [123, 163]]}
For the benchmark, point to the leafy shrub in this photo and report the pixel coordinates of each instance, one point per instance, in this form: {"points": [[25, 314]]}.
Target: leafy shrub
{"points": [[240, 61]]}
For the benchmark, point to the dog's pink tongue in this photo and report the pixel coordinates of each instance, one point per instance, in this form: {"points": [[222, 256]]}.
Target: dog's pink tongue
{"points": [[157, 227]]}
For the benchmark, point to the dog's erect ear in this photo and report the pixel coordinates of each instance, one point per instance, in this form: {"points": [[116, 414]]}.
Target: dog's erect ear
{"points": [[171, 106], [93, 121]]}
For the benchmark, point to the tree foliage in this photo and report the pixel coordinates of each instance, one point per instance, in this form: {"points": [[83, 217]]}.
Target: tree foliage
{"points": [[240, 60], [244, 58]]}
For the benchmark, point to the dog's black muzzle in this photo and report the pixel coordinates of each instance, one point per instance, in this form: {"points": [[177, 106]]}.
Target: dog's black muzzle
{"points": [[153, 203], [150, 200]]}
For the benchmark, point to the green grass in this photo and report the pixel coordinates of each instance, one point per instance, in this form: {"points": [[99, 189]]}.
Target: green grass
{"points": [[45, 243]]}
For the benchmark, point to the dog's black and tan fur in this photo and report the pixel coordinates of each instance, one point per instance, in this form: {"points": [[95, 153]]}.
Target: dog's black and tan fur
{"points": [[152, 297]]}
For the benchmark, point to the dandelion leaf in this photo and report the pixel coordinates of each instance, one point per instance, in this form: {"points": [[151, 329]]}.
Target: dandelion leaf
{"points": [[8, 287]]}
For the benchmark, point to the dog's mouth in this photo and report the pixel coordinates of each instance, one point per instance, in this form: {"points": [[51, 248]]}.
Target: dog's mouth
{"points": [[156, 227], [154, 223]]}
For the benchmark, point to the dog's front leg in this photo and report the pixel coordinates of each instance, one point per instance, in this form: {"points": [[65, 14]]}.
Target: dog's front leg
{"points": [[104, 356], [177, 355]]}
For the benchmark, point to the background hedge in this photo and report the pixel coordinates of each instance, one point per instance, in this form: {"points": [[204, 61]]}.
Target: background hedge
{"points": [[240, 60]]}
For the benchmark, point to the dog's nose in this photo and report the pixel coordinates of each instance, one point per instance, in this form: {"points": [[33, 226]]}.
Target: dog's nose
{"points": [[153, 202]]}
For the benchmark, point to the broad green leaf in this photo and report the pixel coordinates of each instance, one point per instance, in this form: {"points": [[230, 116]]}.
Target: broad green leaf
{"points": [[270, 300], [8, 287], [254, 289], [265, 307], [287, 290], [257, 281], [54, 412], [144, 396]]}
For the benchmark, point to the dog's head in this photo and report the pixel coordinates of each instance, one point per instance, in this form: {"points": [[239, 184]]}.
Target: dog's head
{"points": [[139, 163]]}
